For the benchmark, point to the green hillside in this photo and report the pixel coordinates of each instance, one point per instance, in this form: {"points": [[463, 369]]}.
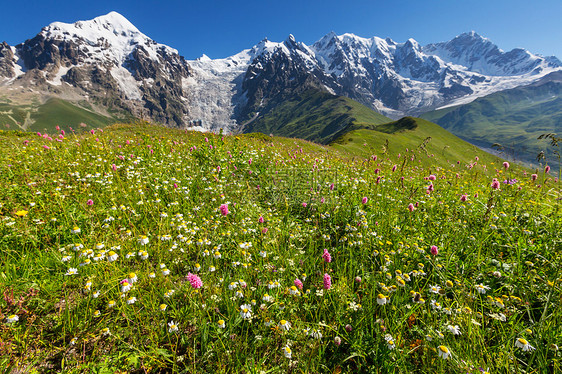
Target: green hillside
{"points": [[52, 113], [427, 142], [316, 116], [513, 118], [146, 249]]}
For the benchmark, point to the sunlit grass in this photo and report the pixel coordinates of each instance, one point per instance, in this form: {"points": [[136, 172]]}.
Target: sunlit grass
{"points": [[148, 249]]}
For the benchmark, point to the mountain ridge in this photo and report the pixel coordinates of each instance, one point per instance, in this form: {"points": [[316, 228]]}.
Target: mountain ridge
{"points": [[514, 118], [109, 61]]}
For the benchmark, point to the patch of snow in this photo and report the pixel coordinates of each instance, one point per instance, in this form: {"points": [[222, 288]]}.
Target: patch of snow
{"points": [[215, 89], [60, 73], [19, 68], [127, 83], [496, 84]]}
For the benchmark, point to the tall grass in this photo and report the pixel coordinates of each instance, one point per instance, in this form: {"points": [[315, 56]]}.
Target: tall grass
{"points": [[153, 197]]}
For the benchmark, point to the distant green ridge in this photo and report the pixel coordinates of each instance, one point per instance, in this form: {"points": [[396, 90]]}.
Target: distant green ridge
{"points": [[315, 116], [429, 143], [54, 112], [514, 118]]}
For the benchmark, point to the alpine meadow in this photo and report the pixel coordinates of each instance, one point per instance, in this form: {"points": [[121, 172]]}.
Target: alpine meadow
{"points": [[287, 209]]}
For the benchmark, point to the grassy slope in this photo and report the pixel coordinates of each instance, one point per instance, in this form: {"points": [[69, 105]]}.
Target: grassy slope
{"points": [[316, 116], [410, 133], [513, 118], [511, 226], [45, 117]]}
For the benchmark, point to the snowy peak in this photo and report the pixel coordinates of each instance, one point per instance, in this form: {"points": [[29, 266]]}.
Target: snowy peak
{"points": [[290, 41], [478, 54], [111, 32], [112, 22]]}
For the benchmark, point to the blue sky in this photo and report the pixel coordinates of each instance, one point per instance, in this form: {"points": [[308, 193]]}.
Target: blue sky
{"points": [[222, 28]]}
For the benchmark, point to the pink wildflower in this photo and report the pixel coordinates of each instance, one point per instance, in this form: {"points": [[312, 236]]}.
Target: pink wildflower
{"points": [[224, 209], [298, 283], [534, 177], [546, 169], [411, 207], [464, 197], [260, 220], [432, 177], [327, 281], [194, 280], [304, 205], [364, 200], [434, 250], [90, 202], [327, 256], [495, 184]]}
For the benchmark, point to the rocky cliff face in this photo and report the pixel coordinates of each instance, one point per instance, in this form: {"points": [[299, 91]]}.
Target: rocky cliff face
{"points": [[279, 71], [6, 61]]}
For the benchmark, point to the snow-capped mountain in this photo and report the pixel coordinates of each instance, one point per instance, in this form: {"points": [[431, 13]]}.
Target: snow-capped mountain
{"points": [[393, 78], [480, 55], [406, 78], [108, 61]]}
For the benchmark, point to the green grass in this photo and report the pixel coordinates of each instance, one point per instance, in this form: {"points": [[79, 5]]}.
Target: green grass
{"points": [[412, 140], [46, 117], [289, 201], [316, 116]]}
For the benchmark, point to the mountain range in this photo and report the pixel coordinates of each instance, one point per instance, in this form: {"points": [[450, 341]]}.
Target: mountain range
{"points": [[105, 69]]}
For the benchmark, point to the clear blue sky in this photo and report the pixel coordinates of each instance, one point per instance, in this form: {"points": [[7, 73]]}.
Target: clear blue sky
{"points": [[221, 28]]}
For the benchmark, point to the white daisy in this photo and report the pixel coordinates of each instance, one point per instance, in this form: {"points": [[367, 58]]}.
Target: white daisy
{"points": [[381, 299], [172, 327], [246, 311], [454, 329], [284, 325], [443, 352], [287, 351], [524, 345]]}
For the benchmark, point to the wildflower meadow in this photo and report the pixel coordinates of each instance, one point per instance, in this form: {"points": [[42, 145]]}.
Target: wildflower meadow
{"points": [[142, 249]]}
